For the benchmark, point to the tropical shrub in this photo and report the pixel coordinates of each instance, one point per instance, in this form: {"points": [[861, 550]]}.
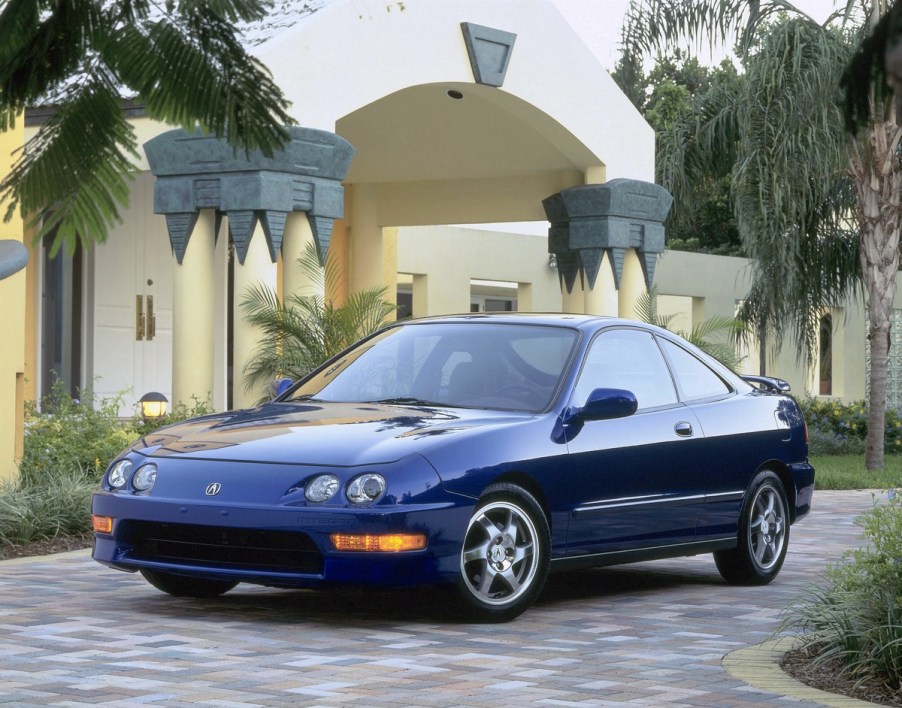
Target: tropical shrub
{"points": [[302, 332], [836, 428], [73, 438], [855, 621], [69, 443]]}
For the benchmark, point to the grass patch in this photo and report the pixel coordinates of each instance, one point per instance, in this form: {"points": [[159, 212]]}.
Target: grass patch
{"points": [[848, 472]]}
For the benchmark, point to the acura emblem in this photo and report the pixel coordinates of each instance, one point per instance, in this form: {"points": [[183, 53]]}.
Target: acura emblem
{"points": [[213, 489]]}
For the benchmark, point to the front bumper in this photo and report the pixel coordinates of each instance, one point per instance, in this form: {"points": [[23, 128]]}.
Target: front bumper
{"points": [[279, 546]]}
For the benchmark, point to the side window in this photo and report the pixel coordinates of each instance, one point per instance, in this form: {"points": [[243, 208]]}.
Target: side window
{"points": [[694, 378], [627, 359]]}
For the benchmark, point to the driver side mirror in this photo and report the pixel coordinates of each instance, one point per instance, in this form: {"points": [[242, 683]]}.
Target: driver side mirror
{"points": [[608, 403], [278, 387]]}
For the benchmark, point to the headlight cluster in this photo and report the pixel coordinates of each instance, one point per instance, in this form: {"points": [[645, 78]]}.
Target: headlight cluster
{"points": [[363, 489], [142, 479]]}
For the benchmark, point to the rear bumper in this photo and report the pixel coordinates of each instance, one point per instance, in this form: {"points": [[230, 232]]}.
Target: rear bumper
{"points": [[803, 474]]}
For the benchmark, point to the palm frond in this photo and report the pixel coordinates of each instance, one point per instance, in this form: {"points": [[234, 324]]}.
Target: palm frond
{"points": [[183, 60]]}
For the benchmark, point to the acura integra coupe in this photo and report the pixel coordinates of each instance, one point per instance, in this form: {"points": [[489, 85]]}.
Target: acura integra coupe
{"points": [[476, 452]]}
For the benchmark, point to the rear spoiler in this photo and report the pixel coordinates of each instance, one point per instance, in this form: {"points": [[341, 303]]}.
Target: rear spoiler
{"points": [[768, 383]]}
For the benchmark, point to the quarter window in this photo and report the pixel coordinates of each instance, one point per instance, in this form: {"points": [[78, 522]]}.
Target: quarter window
{"points": [[695, 379], [627, 359]]}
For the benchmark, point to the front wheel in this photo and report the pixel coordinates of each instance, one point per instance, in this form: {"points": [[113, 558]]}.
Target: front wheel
{"points": [[763, 535], [505, 555], [184, 586]]}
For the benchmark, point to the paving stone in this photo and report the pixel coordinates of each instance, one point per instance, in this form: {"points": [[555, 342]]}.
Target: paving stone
{"points": [[73, 633]]}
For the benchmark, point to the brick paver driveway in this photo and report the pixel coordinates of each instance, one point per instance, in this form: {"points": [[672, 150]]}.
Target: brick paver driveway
{"points": [[75, 633]]}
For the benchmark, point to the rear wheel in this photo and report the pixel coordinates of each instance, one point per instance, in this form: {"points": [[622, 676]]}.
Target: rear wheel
{"points": [[185, 586], [505, 555], [763, 535]]}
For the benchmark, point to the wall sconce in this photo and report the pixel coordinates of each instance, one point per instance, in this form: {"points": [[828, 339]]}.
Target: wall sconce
{"points": [[552, 261], [153, 405]]}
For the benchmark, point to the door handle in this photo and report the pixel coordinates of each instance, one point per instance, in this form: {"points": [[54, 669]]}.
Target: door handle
{"points": [[139, 318], [150, 330], [683, 429]]}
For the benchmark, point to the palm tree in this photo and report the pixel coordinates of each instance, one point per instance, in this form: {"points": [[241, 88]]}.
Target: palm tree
{"points": [[181, 61], [796, 175], [304, 331]]}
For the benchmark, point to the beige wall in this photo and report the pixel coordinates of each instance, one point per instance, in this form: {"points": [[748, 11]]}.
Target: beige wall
{"points": [[444, 259], [12, 322]]}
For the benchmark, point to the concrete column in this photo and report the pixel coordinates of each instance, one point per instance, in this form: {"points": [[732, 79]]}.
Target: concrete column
{"points": [[193, 316], [632, 285], [373, 247], [295, 278], [258, 269], [440, 295], [524, 297], [573, 302], [603, 299]]}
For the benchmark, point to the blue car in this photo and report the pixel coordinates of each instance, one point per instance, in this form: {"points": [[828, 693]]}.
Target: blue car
{"points": [[477, 452]]}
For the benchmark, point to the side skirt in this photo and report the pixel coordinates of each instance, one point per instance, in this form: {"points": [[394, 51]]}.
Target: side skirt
{"points": [[642, 554]]}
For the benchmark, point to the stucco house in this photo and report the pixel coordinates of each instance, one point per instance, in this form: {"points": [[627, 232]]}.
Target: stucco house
{"points": [[434, 115]]}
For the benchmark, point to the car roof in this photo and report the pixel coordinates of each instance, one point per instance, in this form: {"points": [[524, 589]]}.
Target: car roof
{"points": [[577, 321]]}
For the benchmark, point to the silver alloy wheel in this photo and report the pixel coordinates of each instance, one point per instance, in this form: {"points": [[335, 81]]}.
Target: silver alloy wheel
{"points": [[498, 562], [767, 527]]}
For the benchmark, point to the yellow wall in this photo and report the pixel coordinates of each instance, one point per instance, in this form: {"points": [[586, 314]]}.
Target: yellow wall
{"points": [[12, 323]]}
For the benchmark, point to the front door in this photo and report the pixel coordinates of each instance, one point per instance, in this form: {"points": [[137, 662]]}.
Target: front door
{"points": [[132, 292], [638, 477]]}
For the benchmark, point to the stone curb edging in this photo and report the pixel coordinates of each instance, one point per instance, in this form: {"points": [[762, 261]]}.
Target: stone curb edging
{"points": [[759, 667], [37, 559]]}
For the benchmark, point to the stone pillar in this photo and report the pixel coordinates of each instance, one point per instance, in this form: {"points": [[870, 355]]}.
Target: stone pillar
{"points": [[524, 297], [258, 269], [297, 189], [297, 239], [373, 246], [193, 315], [603, 299], [632, 285], [593, 228]]}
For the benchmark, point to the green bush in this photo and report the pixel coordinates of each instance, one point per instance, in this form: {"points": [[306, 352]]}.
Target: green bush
{"points": [[74, 438], [856, 619], [836, 428], [69, 442]]}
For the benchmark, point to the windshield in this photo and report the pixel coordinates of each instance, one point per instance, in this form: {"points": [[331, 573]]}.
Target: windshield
{"points": [[465, 365]]}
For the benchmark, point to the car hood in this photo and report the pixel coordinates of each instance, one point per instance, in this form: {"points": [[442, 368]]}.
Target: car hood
{"points": [[320, 433]]}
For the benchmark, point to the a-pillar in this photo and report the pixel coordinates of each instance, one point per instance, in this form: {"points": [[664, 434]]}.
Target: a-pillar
{"points": [[193, 316], [297, 239], [257, 270], [632, 285]]}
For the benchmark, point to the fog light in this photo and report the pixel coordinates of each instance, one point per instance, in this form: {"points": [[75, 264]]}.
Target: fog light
{"points": [[102, 524], [389, 543]]}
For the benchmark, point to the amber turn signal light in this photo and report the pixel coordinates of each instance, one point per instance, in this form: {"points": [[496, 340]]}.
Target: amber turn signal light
{"points": [[391, 542], [102, 524]]}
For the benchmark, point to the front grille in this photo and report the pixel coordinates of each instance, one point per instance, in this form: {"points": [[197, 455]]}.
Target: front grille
{"points": [[215, 546]]}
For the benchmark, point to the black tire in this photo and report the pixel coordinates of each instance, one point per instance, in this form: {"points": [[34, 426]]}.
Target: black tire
{"points": [[185, 586], [505, 555], [763, 535]]}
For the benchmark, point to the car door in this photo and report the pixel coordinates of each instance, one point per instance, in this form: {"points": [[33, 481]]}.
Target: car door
{"points": [[636, 479], [739, 435]]}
